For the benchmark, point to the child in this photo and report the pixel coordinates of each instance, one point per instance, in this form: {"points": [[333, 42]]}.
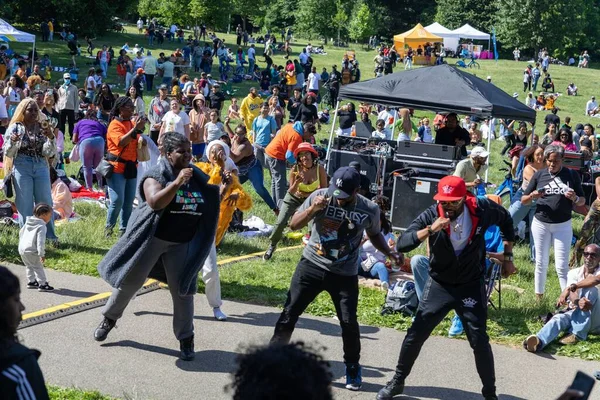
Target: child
{"points": [[381, 132], [62, 200], [424, 133], [373, 262], [234, 110], [32, 240]]}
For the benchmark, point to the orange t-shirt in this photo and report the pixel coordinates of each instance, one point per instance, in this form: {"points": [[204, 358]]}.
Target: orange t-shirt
{"points": [[116, 130], [286, 139]]}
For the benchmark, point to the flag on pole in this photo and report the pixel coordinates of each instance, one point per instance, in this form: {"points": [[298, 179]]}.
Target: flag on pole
{"points": [[494, 42]]}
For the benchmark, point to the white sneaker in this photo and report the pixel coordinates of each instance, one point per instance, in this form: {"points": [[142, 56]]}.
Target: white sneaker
{"points": [[219, 315], [385, 286]]}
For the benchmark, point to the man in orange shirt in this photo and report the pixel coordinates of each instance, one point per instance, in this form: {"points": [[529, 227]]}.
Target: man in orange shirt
{"points": [[280, 150]]}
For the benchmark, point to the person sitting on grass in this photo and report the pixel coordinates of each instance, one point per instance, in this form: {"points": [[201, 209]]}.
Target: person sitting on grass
{"points": [[62, 201], [20, 374], [571, 89], [581, 316], [373, 262]]}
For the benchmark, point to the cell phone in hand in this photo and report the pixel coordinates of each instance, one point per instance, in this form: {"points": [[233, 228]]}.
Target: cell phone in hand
{"points": [[541, 191], [584, 383]]}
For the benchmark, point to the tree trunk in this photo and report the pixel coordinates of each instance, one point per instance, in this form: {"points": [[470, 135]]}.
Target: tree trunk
{"points": [[244, 23]]}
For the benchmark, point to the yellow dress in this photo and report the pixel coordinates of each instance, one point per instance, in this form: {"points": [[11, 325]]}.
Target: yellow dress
{"points": [[244, 202]]}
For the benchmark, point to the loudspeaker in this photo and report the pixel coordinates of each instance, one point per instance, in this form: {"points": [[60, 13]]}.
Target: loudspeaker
{"points": [[410, 197], [371, 165]]}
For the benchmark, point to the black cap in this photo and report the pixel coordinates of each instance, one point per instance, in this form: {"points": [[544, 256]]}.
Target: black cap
{"points": [[344, 182], [355, 165]]}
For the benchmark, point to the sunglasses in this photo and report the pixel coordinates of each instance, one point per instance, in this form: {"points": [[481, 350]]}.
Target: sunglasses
{"points": [[586, 254], [450, 203]]}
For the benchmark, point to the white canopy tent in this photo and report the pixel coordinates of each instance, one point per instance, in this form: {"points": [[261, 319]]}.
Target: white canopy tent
{"points": [[468, 32], [9, 33], [450, 38]]}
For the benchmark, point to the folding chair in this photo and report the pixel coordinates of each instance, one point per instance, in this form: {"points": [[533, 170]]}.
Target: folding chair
{"points": [[493, 275]]}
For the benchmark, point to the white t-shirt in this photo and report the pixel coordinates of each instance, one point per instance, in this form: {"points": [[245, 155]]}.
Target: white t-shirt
{"points": [[389, 117], [213, 131], [104, 56], [460, 230], [140, 24], [313, 81], [590, 106], [176, 122], [3, 113], [485, 131], [91, 82], [530, 102], [385, 134], [251, 53]]}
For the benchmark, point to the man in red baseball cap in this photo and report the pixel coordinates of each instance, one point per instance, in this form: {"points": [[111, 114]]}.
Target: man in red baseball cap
{"points": [[454, 228]]}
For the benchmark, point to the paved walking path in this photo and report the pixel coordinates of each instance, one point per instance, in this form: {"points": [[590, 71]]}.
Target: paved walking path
{"points": [[139, 358]]}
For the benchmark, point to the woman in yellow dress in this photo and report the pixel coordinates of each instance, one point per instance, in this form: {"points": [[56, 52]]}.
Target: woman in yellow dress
{"points": [[221, 168]]}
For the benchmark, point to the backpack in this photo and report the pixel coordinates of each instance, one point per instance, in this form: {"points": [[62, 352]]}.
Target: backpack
{"points": [[402, 298]]}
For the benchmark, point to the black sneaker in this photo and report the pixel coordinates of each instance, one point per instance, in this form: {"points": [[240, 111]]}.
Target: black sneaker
{"points": [[101, 332], [45, 288], [269, 253], [187, 349], [391, 389], [494, 397], [33, 285]]}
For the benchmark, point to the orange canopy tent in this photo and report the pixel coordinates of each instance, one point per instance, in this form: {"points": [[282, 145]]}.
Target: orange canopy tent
{"points": [[413, 38]]}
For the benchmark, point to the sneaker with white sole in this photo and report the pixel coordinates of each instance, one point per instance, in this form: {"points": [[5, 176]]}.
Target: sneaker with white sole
{"points": [[219, 315], [353, 376], [532, 343], [385, 286], [45, 288], [269, 253], [33, 285]]}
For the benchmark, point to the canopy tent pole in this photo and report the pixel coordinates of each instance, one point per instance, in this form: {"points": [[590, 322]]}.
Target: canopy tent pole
{"points": [[337, 106], [33, 55], [487, 162]]}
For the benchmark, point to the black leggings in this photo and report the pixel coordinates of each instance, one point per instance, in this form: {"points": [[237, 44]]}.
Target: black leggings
{"points": [[308, 281]]}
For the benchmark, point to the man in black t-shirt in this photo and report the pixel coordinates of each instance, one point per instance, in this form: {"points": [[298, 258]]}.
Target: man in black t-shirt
{"points": [[552, 118], [217, 98], [452, 134]]}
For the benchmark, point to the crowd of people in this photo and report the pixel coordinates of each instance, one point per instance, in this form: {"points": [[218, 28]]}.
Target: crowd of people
{"points": [[173, 213]]}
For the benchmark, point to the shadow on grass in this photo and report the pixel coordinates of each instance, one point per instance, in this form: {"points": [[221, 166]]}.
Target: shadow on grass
{"points": [[238, 248]]}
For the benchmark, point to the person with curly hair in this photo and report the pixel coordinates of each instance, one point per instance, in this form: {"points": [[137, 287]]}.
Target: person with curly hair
{"points": [[293, 371]]}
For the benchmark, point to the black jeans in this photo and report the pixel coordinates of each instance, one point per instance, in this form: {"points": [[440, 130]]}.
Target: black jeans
{"points": [[470, 304], [308, 281], [63, 116], [149, 82]]}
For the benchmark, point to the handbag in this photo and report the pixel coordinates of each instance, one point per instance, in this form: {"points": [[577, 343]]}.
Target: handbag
{"points": [[74, 156], [143, 153], [105, 168], [7, 185]]}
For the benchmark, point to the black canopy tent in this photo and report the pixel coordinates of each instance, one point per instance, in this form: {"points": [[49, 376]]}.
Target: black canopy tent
{"points": [[442, 88]]}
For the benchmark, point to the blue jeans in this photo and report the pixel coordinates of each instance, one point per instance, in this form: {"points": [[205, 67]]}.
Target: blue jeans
{"points": [[150, 39], [104, 66], [420, 268], [378, 270], [91, 151], [251, 63], [121, 192], [32, 186], [575, 321], [518, 211], [256, 177]]}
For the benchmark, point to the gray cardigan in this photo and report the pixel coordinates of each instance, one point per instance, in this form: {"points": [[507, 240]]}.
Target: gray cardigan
{"points": [[124, 255]]}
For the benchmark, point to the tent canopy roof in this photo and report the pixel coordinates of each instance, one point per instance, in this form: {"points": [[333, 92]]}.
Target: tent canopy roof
{"points": [[440, 30], [441, 88], [9, 34], [417, 33], [467, 31]]}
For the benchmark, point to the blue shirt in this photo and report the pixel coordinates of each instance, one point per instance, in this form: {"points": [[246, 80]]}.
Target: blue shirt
{"points": [[263, 127]]}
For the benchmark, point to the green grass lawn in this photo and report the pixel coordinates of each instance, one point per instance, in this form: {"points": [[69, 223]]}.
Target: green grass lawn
{"points": [[59, 393], [83, 244]]}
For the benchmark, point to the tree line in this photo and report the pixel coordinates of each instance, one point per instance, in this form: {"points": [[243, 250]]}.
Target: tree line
{"points": [[564, 27]]}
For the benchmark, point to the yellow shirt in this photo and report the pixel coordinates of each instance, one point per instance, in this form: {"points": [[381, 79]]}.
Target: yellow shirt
{"points": [[249, 109], [50, 26]]}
